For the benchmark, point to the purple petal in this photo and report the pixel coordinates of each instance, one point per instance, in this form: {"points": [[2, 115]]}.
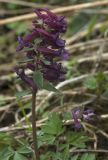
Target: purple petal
{"points": [[60, 42], [29, 81], [64, 54], [48, 52], [88, 114], [53, 72], [51, 38], [30, 37], [52, 20], [31, 66], [75, 115], [78, 125], [22, 44]]}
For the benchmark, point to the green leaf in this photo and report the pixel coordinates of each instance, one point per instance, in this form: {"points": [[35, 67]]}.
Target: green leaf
{"points": [[12, 6], [38, 79], [75, 157], [90, 83], [25, 60], [91, 156], [66, 153], [48, 86], [84, 156], [54, 125], [46, 139], [46, 61], [19, 95], [48, 155], [77, 139], [21, 28], [88, 156], [5, 139], [101, 77], [19, 156], [58, 156], [103, 28], [24, 150], [91, 25], [77, 22], [5, 153], [67, 116], [2, 100], [18, 27], [105, 94], [28, 49], [6, 156]]}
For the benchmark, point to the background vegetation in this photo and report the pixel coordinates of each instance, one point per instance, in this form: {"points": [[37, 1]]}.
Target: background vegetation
{"points": [[86, 84]]}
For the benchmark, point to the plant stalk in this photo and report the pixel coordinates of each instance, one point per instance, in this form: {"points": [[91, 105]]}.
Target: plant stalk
{"points": [[34, 128]]}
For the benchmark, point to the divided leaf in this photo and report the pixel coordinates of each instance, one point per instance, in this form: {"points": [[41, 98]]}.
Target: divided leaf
{"points": [[77, 139], [5, 153], [86, 156], [90, 83], [24, 150], [45, 138], [75, 157], [19, 156], [54, 125]]}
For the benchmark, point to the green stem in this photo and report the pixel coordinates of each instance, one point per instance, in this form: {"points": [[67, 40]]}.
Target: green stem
{"points": [[34, 128], [24, 114]]}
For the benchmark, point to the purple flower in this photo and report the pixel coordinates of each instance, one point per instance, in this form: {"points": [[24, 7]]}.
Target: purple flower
{"points": [[52, 39], [29, 81], [44, 47], [78, 114], [53, 72], [31, 36], [53, 21], [31, 66], [75, 115], [21, 44], [64, 54], [47, 52], [88, 114]]}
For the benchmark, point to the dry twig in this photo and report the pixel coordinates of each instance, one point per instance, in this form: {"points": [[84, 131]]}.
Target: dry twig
{"points": [[23, 3], [57, 10]]}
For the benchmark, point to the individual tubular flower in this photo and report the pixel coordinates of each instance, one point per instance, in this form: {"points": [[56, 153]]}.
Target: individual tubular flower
{"points": [[26, 41], [88, 114], [52, 39], [75, 116], [22, 44], [47, 52], [78, 114], [44, 48], [54, 72], [29, 81], [53, 21]]}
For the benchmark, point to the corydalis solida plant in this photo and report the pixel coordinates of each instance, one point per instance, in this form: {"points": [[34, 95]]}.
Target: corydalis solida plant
{"points": [[44, 50]]}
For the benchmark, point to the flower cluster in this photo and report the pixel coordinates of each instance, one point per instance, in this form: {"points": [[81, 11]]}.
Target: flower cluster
{"points": [[44, 48], [78, 114]]}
